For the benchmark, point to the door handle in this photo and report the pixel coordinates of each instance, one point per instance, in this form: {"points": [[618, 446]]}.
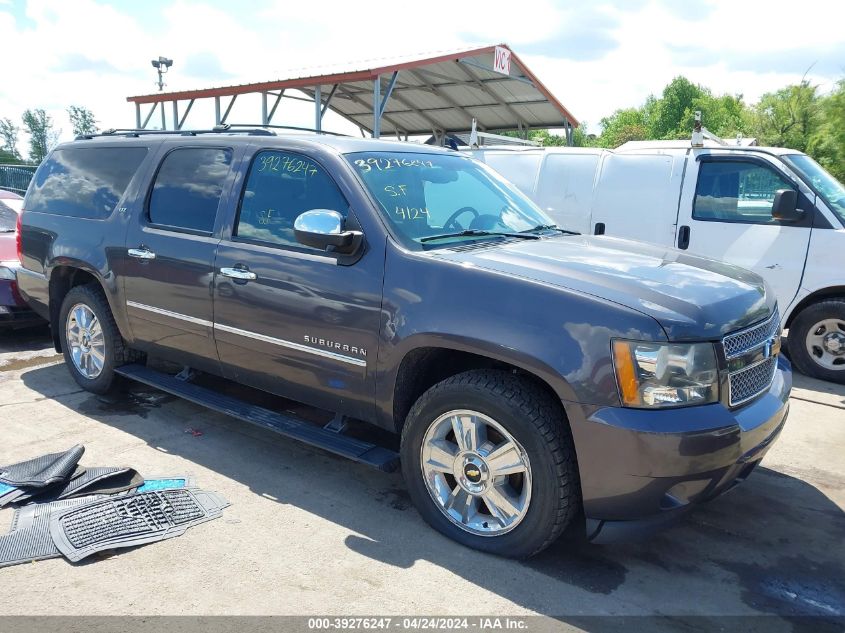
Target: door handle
{"points": [[243, 274], [141, 253], [683, 237]]}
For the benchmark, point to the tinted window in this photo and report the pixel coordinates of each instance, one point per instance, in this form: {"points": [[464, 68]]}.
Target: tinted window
{"points": [[84, 182], [188, 188], [737, 192], [281, 186]]}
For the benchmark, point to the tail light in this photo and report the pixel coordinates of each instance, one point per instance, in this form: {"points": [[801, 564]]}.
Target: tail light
{"points": [[18, 238]]}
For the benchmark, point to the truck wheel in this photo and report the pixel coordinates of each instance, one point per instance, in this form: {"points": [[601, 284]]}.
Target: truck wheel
{"points": [[91, 342], [489, 461], [817, 340]]}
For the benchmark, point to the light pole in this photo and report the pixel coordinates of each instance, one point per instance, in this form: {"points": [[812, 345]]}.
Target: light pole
{"points": [[162, 65]]}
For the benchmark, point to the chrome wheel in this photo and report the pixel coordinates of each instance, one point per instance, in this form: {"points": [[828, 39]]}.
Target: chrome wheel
{"points": [[475, 471], [86, 341], [826, 343]]}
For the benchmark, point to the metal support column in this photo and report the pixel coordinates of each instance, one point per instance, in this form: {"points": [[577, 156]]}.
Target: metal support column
{"points": [[264, 119], [176, 125], [279, 96], [137, 116], [376, 104], [318, 107], [163, 117], [379, 102], [216, 110]]}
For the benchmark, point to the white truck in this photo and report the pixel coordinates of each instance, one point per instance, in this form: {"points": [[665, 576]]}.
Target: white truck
{"points": [[771, 210]]}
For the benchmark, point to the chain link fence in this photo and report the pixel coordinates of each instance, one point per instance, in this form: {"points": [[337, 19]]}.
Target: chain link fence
{"points": [[16, 177]]}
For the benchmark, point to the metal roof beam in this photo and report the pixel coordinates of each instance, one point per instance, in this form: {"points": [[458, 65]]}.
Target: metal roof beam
{"points": [[468, 62], [477, 83], [412, 109], [360, 101], [181, 121], [419, 71], [329, 98]]}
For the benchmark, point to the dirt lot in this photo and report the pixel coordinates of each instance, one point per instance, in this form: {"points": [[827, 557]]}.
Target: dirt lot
{"points": [[311, 534]]}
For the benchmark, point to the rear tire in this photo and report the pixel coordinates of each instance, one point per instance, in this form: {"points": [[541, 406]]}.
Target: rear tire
{"points": [[91, 343], [515, 491], [816, 340]]}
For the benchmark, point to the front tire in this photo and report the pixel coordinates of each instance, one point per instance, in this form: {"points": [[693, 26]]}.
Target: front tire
{"points": [[91, 343], [816, 340], [488, 460]]}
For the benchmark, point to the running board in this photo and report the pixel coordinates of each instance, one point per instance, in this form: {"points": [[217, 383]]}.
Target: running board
{"points": [[351, 448]]}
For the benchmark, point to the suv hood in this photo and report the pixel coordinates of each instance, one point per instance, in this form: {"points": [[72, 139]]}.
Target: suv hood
{"points": [[693, 298]]}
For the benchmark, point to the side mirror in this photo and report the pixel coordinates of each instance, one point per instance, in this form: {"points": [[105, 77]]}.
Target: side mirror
{"points": [[785, 206], [323, 228]]}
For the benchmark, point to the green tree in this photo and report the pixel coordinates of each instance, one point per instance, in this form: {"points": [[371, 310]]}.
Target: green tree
{"points": [[827, 144], [42, 135], [623, 126], [679, 99], [82, 120], [9, 138], [788, 117]]}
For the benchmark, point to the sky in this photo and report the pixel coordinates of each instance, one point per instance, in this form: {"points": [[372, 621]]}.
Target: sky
{"points": [[594, 56]]}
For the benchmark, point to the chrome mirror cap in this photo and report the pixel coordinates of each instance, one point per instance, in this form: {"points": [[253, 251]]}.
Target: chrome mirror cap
{"points": [[319, 221]]}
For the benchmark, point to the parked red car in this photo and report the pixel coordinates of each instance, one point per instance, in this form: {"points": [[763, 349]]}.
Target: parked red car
{"points": [[13, 309]]}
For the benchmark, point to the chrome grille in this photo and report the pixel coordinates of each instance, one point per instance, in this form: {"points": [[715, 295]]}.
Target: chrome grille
{"points": [[751, 381], [747, 382], [749, 338]]}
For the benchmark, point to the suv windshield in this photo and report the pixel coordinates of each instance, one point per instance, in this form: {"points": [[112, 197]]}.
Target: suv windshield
{"points": [[830, 189], [425, 196]]}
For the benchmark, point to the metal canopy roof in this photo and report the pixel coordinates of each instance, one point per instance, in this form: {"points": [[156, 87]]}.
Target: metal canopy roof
{"points": [[411, 96]]}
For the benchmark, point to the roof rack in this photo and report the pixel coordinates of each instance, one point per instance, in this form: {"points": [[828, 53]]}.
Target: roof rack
{"points": [[231, 128]]}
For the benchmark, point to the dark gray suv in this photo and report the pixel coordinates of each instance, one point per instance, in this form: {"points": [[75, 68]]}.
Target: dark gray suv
{"points": [[536, 377]]}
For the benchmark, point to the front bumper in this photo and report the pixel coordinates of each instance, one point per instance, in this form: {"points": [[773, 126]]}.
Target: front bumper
{"points": [[641, 469]]}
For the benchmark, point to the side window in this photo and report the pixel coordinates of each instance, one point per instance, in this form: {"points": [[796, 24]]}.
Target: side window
{"points": [[735, 191], [188, 188], [84, 182], [280, 187]]}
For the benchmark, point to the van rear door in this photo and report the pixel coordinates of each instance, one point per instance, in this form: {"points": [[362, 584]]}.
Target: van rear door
{"points": [[726, 214], [636, 197]]}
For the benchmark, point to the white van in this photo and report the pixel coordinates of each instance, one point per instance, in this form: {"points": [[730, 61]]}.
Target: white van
{"points": [[774, 211]]}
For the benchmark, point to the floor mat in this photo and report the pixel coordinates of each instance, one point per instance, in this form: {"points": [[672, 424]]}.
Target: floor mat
{"points": [[132, 520], [29, 537], [42, 471], [94, 481]]}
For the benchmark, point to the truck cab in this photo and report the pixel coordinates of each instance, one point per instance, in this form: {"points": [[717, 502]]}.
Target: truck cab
{"points": [[774, 211]]}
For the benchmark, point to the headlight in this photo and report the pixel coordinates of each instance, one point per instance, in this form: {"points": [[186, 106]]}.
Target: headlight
{"points": [[653, 375], [7, 273]]}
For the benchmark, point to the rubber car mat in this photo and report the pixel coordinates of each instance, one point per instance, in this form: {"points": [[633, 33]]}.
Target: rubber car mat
{"points": [[132, 520], [29, 538], [94, 481], [42, 471]]}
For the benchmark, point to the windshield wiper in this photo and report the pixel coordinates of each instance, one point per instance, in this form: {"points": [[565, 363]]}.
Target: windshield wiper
{"points": [[551, 227], [480, 233]]}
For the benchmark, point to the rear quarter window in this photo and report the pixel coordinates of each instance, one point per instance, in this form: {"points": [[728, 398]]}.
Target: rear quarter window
{"points": [[83, 182]]}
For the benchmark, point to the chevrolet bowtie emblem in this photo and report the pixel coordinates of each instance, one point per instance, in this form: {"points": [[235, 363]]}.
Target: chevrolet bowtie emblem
{"points": [[473, 473]]}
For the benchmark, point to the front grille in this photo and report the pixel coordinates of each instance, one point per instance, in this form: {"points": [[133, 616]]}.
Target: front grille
{"points": [[751, 381], [747, 382], [749, 338]]}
